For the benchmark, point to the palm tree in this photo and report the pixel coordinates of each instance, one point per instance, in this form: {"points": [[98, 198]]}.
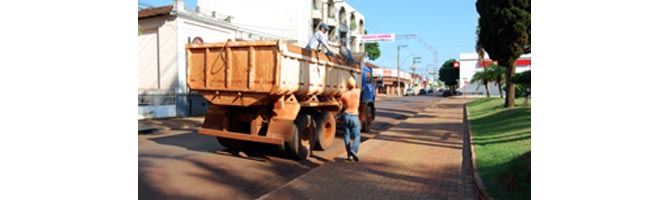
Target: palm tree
{"points": [[498, 75], [482, 77]]}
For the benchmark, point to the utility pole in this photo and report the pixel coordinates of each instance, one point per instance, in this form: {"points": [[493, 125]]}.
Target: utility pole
{"points": [[429, 81], [429, 47], [398, 67], [414, 67]]}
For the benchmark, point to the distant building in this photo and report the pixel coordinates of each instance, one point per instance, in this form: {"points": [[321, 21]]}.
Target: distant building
{"points": [[469, 65], [386, 80]]}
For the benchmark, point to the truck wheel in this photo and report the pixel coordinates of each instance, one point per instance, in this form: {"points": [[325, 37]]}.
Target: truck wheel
{"points": [[300, 144], [368, 118], [325, 130]]}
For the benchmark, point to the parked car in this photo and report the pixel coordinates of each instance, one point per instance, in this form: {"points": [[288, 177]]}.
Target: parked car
{"points": [[409, 92], [448, 92], [422, 91]]}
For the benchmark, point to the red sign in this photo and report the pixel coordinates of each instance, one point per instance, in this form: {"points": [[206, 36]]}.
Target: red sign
{"points": [[389, 37], [521, 62], [457, 64]]}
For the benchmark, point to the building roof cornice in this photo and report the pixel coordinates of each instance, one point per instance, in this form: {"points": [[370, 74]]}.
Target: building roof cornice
{"points": [[154, 11]]}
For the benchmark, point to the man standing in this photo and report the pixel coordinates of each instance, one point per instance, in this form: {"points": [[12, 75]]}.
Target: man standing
{"points": [[346, 53], [319, 39], [350, 101]]}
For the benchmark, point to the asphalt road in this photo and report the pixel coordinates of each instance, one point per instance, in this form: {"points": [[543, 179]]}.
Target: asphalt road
{"points": [[178, 163]]}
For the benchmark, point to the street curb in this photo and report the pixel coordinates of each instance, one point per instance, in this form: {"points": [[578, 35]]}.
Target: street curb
{"points": [[479, 185]]}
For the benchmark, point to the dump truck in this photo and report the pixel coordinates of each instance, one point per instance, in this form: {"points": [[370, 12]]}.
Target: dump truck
{"points": [[274, 92]]}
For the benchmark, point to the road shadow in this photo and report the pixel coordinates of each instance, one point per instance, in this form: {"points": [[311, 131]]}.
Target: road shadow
{"points": [[156, 178], [209, 144], [364, 179], [174, 123], [397, 111]]}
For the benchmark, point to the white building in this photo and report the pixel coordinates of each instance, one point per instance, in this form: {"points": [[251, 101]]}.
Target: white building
{"points": [[292, 20], [162, 70], [469, 65]]}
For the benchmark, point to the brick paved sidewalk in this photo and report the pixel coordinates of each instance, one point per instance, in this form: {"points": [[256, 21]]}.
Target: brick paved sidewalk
{"points": [[420, 158]]}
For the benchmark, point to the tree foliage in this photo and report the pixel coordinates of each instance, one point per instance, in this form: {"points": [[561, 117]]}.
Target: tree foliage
{"points": [[482, 78], [372, 49], [523, 83], [505, 33], [498, 75], [449, 74], [523, 78]]}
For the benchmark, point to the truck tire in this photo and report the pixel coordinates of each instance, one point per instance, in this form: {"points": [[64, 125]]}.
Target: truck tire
{"points": [[368, 118], [299, 145], [326, 127]]}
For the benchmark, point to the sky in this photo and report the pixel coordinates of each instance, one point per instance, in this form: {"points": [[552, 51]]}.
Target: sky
{"points": [[448, 26]]}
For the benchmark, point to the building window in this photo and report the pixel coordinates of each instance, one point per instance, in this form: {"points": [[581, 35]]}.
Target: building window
{"points": [[331, 9]]}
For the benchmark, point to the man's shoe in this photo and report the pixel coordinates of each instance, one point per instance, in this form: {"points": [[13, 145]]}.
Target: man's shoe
{"points": [[354, 156]]}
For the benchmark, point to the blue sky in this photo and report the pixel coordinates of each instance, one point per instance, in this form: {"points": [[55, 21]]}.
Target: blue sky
{"points": [[446, 25]]}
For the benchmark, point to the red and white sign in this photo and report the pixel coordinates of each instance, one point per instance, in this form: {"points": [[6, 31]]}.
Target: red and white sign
{"points": [[387, 37], [457, 64], [387, 72], [520, 62]]}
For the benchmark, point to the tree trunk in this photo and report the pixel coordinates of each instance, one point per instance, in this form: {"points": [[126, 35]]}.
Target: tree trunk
{"points": [[499, 86], [487, 90], [510, 87]]}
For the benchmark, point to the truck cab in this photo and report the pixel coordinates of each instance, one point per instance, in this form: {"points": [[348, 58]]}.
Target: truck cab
{"points": [[367, 99]]}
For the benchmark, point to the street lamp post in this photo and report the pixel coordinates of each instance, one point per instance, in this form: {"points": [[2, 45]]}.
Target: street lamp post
{"points": [[427, 70], [398, 67], [414, 67]]}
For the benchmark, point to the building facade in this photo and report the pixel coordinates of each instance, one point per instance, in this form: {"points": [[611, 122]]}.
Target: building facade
{"points": [[292, 20], [469, 65]]}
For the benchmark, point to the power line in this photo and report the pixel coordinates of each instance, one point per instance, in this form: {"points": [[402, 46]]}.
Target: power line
{"points": [[435, 53]]}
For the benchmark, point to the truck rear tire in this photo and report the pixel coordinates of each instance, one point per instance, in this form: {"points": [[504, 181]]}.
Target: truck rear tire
{"points": [[325, 130], [299, 145]]}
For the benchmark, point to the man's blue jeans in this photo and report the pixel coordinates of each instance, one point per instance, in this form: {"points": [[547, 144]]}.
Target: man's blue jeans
{"points": [[351, 129]]}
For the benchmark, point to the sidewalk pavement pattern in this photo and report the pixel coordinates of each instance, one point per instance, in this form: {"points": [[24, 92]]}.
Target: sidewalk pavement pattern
{"points": [[420, 158]]}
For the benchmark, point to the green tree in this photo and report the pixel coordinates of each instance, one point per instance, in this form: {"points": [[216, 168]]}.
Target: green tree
{"points": [[449, 74], [523, 78], [482, 78], [523, 81], [497, 75], [505, 33], [372, 49]]}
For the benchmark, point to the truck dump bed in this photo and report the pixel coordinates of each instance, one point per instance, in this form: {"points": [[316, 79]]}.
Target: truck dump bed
{"points": [[244, 73]]}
